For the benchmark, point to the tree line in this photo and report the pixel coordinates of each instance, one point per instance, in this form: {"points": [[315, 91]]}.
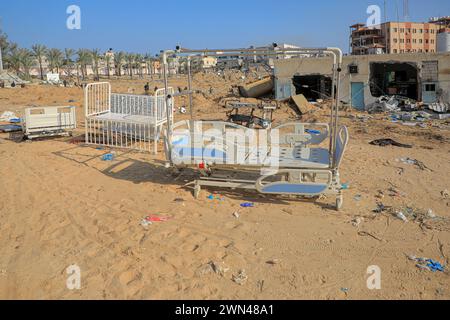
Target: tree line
{"points": [[70, 61]]}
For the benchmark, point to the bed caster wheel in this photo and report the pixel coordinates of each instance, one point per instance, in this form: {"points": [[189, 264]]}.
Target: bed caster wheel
{"points": [[197, 190], [339, 202]]}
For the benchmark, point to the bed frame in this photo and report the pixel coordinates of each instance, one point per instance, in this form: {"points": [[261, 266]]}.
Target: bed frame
{"points": [[49, 121], [125, 120]]}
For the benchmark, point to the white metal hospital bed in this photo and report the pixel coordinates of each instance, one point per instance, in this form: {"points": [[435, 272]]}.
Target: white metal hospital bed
{"points": [[292, 159]]}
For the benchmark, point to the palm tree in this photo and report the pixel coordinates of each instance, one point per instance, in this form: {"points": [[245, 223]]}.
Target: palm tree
{"points": [[39, 52], [3, 46], [55, 59], [68, 60], [84, 58], [138, 58], [130, 58], [95, 54], [148, 62], [14, 59], [108, 64], [118, 62], [27, 61]]}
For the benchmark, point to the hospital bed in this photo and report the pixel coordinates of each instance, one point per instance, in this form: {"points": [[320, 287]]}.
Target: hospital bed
{"points": [[300, 159]]}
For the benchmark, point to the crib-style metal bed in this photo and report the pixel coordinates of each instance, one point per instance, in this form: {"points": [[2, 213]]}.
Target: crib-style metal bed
{"points": [[295, 158], [125, 120]]}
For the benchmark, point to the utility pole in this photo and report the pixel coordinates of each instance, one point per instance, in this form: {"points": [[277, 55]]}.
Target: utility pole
{"points": [[1, 58]]}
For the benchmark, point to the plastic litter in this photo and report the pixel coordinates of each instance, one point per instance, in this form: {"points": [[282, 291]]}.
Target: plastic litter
{"points": [[154, 218], [240, 278], [247, 205], [358, 197], [108, 157], [427, 264], [215, 197], [401, 216], [8, 116], [345, 186]]}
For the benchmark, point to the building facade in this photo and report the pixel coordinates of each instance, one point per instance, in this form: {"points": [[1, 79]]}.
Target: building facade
{"points": [[420, 76], [394, 37]]}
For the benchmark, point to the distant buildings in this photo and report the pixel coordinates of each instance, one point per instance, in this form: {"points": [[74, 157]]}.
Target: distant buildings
{"points": [[394, 37]]}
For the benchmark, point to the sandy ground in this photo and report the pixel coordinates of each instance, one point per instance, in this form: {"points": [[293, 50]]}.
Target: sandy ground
{"points": [[61, 204]]}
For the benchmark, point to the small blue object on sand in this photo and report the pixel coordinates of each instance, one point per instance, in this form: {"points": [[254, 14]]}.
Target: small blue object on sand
{"points": [[108, 157], [247, 205], [434, 265]]}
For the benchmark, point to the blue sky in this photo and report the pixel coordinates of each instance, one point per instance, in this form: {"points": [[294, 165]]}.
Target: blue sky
{"points": [[149, 26]]}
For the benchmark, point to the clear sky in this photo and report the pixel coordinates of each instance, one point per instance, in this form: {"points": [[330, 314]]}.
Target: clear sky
{"points": [[149, 26]]}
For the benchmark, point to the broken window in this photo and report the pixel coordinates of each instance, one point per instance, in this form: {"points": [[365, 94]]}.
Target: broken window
{"points": [[394, 78], [313, 87]]}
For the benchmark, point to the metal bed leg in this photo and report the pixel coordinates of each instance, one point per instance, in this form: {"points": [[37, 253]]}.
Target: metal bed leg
{"points": [[339, 201], [197, 189]]}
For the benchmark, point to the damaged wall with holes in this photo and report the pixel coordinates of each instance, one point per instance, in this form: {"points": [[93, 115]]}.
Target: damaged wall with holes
{"points": [[423, 77]]}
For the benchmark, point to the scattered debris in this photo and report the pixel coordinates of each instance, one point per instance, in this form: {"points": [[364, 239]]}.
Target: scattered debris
{"points": [[240, 278], [236, 215], [9, 116], [367, 234], [258, 88], [393, 192], [260, 285], [145, 223], [204, 270], [383, 104], [345, 290], [302, 104], [247, 205], [219, 268], [11, 80], [445, 194], [358, 197], [155, 218], [427, 264], [216, 197], [108, 157], [401, 216], [345, 186], [357, 221], [418, 163], [389, 142], [439, 107], [273, 262]]}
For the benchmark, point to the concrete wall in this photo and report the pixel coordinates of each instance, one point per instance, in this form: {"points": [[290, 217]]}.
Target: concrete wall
{"points": [[285, 70]]}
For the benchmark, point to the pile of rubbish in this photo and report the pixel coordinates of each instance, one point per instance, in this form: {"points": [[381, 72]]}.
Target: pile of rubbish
{"points": [[409, 112], [9, 116], [392, 104]]}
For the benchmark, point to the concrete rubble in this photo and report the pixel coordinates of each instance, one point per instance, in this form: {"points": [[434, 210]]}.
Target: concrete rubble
{"points": [[10, 80]]}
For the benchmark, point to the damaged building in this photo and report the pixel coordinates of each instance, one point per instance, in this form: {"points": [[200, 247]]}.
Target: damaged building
{"points": [[423, 77]]}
